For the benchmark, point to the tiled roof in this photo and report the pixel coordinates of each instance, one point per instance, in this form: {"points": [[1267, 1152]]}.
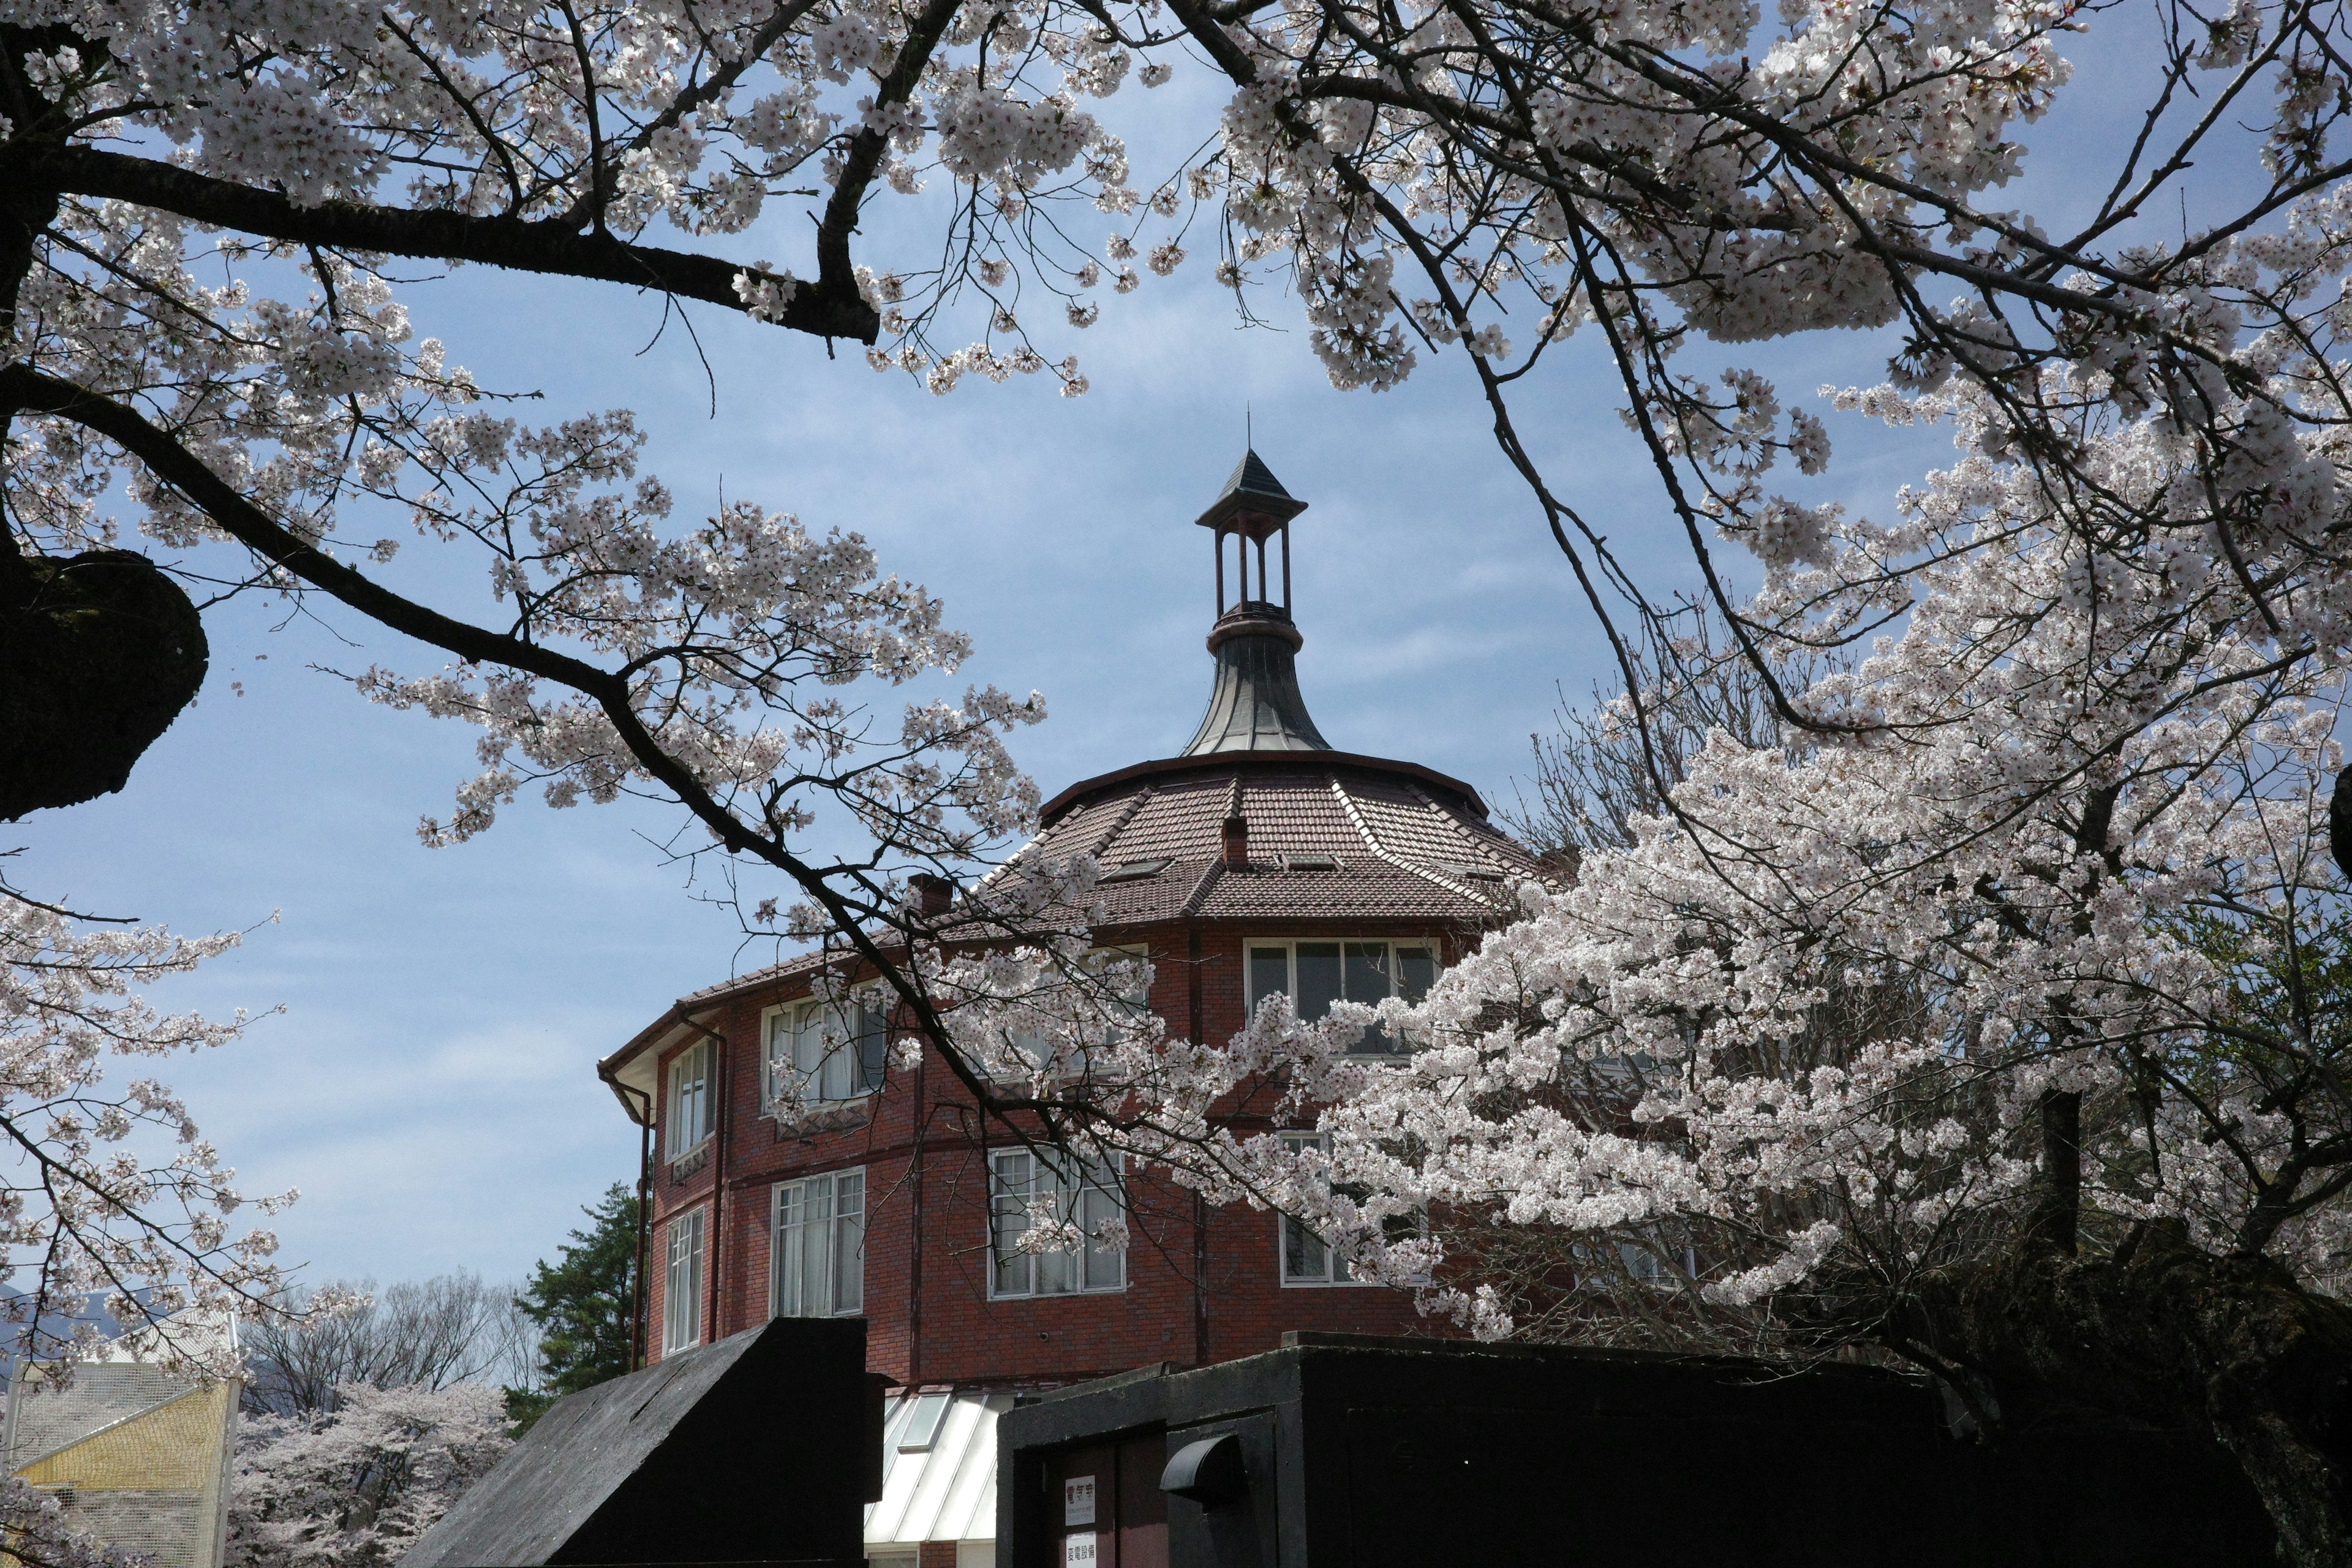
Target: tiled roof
{"points": [[1330, 838]]}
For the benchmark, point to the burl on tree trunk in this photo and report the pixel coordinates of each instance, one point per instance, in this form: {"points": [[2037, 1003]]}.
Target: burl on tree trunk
{"points": [[99, 653]]}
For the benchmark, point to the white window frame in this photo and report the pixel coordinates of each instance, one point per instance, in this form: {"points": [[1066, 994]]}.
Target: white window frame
{"points": [[691, 1100], [1289, 1235], [1092, 1197], [825, 1214], [682, 1282], [1373, 1043], [799, 1068]]}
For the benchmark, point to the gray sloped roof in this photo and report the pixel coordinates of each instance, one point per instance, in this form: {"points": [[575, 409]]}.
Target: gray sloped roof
{"points": [[665, 1465], [1250, 489]]}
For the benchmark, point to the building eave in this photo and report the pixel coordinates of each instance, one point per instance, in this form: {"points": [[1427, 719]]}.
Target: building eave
{"points": [[1286, 761]]}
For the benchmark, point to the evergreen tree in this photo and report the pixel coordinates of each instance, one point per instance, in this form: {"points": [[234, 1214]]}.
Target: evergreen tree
{"points": [[584, 1303]]}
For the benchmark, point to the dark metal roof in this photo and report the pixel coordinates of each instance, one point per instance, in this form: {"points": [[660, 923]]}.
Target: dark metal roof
{"points": [[1255, 704], [1253, 501], [751, 1449]]}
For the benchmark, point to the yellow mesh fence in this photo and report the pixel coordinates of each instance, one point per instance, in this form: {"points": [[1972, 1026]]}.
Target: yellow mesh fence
{"points": [[174, 1446]]}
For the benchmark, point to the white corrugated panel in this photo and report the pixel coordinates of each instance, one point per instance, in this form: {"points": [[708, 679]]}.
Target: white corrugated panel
{"points": [[945, 1493]]}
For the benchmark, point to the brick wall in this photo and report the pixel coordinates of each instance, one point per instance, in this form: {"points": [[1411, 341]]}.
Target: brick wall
{"points": [[1191, 1296]]}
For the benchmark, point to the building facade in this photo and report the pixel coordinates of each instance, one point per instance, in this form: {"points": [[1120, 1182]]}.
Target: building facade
{"points": [[1258, 859]]}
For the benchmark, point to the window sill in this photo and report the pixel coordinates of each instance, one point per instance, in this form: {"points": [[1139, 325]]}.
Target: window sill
{"points": [[1063, 1295], [693, 1159], [826, 1116]]}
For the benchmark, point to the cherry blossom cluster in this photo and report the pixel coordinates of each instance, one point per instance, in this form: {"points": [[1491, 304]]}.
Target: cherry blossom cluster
{"points": [[116, 1196], [357, 1485], [39, 1537], [1798, 1040]]}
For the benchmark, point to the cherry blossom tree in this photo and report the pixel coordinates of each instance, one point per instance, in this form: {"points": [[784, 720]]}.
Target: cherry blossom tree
{"points": [[1997, 1030], [355, 1486], [1655, 173], [109, 1192], [2009, 985]]}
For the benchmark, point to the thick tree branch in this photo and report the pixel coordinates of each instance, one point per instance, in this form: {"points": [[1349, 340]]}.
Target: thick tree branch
{"points": [[829, 307]]}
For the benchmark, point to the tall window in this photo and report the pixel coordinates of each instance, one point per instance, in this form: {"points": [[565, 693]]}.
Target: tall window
{"points": [[818, 1052], [1086, 1197], [819, 1252], [689, 1099], [682, 1284], [1315, 975], [1306, 1260]]}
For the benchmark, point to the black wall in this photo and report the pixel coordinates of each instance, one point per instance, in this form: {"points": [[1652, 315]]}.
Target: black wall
{"points": [[1372, 1453]]}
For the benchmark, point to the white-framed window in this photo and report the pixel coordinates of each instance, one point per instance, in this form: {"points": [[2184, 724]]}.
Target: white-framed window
{"points": [[1306, 1260], [690, 1099], [682, 1284], [1086, 1197], [1313, 973], [817, 1259], [818, 1052]]}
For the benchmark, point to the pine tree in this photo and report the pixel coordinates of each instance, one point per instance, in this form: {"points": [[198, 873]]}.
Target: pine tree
{"points": [[584, 1303]]}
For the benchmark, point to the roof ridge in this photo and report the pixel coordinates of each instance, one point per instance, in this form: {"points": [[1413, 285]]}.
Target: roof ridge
{"points": [[1348, 805], [1199, 893], [1436, 811], [1115, 829]]}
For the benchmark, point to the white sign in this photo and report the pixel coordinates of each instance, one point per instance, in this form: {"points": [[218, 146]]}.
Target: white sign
{"points": [[1079, 1503], [1078, 1551]]}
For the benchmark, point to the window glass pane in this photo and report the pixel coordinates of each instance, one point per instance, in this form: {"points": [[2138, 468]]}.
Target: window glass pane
{"points": [[776, 1059], [1104, 1265], [849, 1243], [1367, 971], [872, 1046], [815, 1231], [693, 1293], [1269, 973], [786, 1266], [1367, 965], [922, 1429], [808, 1047], [1416, 972], [1056, 1271], [832, 1078], [1304, 1257], [682, 1286], [1009, 1177], [691, 1098], [1319, 978]]}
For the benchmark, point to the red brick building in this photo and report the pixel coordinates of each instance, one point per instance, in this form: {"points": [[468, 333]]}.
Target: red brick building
{"points": [[1257, 859]]}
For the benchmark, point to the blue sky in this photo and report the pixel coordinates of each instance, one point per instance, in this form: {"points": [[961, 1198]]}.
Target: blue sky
{"points": [[429, 1083]]}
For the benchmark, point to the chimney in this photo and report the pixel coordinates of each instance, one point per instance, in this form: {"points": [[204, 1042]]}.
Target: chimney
{"points": [[933, 895], [1236, 843]]}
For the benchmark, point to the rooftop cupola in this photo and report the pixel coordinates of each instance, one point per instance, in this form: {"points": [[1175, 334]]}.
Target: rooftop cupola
{"points": [[1254, 705]]}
